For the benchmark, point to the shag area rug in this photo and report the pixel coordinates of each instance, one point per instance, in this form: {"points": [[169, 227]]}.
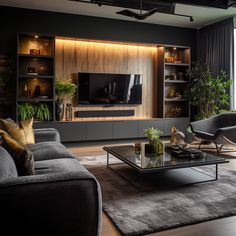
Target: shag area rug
{"points": [[139, 204]]}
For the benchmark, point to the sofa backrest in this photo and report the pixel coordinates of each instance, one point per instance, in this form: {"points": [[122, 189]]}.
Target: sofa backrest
{"points": [[7, 165]]}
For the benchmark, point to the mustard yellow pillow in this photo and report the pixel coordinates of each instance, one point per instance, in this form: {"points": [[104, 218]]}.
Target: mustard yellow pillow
{"points": [[22, 156], [23, 131]]}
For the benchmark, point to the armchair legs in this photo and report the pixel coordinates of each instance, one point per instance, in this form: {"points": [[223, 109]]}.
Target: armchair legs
{"points": [[218, 147], [202, 141]]}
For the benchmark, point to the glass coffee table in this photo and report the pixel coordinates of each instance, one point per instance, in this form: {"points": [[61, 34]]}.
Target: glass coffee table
{"points": [[150, 162]]}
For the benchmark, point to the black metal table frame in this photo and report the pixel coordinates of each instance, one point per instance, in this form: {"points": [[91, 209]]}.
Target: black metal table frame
{"points": [[151, 170]]}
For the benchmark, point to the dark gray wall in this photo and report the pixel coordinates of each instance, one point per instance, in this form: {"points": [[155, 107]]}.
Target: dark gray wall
{"points": [[13, 20]]}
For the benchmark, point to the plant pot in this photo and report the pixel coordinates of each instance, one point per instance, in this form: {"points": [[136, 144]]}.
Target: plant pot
{"points": [[59, 109], [154, 147]]}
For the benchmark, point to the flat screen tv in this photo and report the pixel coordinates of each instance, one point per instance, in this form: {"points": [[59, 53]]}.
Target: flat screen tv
{"points": [[109, 89]]}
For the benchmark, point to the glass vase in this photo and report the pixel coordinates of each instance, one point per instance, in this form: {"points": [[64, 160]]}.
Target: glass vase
{"points": [[158, 147]]}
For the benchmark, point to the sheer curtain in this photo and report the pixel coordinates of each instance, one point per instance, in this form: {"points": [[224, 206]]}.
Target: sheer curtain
{"points": [[216, 48]]}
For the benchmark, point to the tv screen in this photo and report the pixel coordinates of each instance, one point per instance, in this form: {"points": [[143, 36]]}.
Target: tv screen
{"points": [[109, 89]]}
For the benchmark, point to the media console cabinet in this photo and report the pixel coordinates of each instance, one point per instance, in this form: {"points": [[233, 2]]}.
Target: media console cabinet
{"points": [[74, 131]]}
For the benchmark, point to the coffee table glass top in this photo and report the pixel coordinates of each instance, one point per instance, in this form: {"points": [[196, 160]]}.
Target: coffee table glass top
{"points": [[146, 161]]}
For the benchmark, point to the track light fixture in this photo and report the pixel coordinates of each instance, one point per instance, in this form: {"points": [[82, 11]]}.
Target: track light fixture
{"points": [[133, 14], [142, 16], [190, 17]]}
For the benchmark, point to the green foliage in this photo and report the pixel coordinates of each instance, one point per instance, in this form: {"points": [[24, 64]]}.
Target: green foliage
{"points": [[38, 111], [224, 111], [25, 111], [153, 134], [208, 93], [42, 112], [65, 89]]}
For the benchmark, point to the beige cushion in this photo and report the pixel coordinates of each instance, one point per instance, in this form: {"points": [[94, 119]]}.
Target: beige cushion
{"points": [[23, 131]]}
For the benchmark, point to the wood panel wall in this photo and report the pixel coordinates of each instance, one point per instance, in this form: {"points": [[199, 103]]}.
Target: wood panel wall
{"points": [[73, 56]]}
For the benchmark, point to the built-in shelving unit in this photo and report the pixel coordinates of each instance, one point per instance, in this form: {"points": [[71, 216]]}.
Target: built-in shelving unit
{"points": [[35, 70], [173, 63], [36, 85]]}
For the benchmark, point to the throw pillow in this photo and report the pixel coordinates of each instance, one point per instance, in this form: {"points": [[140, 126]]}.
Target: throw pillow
{"points": [[22, 156], [22, 131]]}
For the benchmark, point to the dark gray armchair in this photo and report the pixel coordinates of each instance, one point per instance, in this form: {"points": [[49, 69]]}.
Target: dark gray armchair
{"points": [[219, 129]]}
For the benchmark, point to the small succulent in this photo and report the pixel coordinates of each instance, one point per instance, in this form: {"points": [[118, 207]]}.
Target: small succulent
{"points": [[153, 134]]}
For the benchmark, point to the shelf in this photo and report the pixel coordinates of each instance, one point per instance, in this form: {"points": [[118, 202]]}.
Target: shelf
{"points": [[176, 81], [175, 100], [35, 76], [36, 73], [35, 56], [35, 100], [176, 64]]}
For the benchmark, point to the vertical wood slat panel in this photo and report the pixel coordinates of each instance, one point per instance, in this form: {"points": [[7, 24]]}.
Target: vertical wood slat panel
{"points": [[73, 56]]}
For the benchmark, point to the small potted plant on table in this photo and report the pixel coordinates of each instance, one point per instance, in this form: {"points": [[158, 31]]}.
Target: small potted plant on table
{"points": [[153, 136]]}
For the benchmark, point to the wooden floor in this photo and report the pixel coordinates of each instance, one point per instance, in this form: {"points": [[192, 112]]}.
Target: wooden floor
{"points": [[220, 227]]}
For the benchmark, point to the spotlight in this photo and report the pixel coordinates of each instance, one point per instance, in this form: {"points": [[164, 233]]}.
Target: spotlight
{"points": [[191, 19]]}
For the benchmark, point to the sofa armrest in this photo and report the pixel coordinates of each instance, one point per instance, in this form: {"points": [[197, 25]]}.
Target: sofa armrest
{"points": [[67, 203], [46, 134]]}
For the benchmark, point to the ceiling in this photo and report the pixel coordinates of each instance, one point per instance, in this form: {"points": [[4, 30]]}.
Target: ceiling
{"points": [[202, 15]]}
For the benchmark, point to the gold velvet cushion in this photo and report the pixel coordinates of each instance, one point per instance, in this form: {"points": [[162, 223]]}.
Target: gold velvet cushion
{"points": [[22, 131], [22, 156]]}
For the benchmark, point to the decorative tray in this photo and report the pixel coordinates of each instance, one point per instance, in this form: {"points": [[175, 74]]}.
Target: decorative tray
{"points": [[180, 152]]}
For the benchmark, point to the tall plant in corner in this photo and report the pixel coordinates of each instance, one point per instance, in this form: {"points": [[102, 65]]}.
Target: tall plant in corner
{"points": [[65, 89], [208, 93]]}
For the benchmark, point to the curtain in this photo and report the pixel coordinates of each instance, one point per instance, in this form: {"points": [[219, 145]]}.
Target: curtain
{"points": [[216, 47]]}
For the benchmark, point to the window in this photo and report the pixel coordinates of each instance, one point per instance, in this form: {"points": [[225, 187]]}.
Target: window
{"points": [[234, 83]]}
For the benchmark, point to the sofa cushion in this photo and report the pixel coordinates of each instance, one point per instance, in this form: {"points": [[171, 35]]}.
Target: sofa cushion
{"points": [[58, 166], [22, 156], [23, 131], [49, 150], [7, 165]]}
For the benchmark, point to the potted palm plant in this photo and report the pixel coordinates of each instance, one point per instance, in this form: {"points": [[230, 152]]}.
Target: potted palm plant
{"points": [[65, 89]]}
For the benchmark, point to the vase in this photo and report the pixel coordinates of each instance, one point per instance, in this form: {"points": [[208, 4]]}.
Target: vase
{"points": [[59, 109], [68, 112], [158, 147]]}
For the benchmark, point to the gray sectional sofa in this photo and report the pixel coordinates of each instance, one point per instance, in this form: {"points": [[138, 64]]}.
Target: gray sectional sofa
{"points": [[62, 198]]}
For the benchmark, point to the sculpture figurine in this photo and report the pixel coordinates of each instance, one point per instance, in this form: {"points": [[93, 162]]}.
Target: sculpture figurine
{"points": [[177, 137]]}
